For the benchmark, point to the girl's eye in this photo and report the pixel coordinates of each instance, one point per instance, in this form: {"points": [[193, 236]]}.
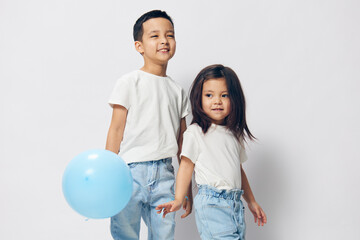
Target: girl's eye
{"points": [[208, 95], [225, 95]]}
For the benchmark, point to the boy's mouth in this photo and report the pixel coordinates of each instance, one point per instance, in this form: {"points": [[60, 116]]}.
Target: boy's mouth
{"points": [[163, 50]]}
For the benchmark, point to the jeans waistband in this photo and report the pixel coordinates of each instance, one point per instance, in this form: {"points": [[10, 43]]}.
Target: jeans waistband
{"points": [[220, 193], [164, 160]]}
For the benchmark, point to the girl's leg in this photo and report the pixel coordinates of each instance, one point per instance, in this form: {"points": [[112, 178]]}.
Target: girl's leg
{"points": [[215, 218]]}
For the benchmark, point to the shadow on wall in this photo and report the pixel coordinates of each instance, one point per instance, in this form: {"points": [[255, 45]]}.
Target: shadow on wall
{"points": [[266, 173], [267, 178]]}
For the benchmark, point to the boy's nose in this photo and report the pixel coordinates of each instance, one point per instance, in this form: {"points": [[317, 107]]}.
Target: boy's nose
{"points": [[164, 40]]}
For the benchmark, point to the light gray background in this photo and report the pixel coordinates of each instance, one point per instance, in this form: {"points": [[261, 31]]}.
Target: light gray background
{"points": [[298, 62]]}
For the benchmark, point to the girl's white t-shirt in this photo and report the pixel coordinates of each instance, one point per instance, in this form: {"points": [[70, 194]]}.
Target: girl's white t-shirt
{"points": [[155, 107], [217, 156]]}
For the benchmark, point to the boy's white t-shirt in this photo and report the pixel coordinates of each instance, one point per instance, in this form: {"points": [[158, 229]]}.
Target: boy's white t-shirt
{"points": [[217, 156], [155, 107]]}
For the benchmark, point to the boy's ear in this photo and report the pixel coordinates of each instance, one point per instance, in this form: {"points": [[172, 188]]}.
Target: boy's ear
{"points": [[139, 47]]}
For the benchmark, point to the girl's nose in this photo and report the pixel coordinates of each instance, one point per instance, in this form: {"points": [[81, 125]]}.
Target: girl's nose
{"points": [[218, 101]]}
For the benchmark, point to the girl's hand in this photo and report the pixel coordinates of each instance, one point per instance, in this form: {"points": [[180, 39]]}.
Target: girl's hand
{"points": [[168, 207], [259, 214], [187, 205]]}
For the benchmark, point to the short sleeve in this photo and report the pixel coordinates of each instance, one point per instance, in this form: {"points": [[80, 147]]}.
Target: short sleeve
{"points": [[120, 94], [190, 147], [185, 105], [243, 155]]}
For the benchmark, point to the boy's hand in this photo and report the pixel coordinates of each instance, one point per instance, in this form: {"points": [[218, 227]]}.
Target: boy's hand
{"points": [[168, 207], [259, 214]]}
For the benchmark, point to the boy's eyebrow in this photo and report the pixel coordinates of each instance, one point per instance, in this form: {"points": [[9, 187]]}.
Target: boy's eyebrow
{"points": [[157, 31]]}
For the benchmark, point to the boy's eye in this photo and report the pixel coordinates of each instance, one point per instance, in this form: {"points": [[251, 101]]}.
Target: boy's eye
{"points": [[154, 36], [170, 36]]}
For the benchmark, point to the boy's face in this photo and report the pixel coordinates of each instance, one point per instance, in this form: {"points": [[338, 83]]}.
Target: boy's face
{"points": [[158, 43]]}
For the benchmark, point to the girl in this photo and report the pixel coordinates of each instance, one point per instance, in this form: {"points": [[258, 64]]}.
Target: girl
{"points": [[213, 146]]}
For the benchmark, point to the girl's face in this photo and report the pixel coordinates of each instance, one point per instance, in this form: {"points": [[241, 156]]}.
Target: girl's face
{"points": [[215, 100]]}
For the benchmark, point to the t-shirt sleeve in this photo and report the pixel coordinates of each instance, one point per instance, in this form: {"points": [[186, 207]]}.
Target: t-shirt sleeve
{"points": [[243, 155], [185, 105], [120, 94], [190, 147]]}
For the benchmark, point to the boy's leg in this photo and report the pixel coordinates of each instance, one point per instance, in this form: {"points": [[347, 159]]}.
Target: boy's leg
{"points": [[126, 224], [161, 191]]}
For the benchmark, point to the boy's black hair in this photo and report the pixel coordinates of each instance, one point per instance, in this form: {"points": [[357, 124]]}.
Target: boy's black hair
{"points": [[138, 26], [236, 120]]}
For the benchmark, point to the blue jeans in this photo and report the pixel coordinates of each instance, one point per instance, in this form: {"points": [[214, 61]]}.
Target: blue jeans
{"points": [[153, 185], [219, 214]]}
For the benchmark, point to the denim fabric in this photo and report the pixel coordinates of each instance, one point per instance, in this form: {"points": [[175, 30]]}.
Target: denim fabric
{"points": [[219, 214], [153, 185]]}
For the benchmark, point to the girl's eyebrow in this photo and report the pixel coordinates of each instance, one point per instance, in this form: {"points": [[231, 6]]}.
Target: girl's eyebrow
{"points": [[213, 91]]}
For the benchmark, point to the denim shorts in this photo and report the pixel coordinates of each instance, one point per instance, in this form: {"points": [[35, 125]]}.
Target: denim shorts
{"points": [[219, 214], [153, 185]]}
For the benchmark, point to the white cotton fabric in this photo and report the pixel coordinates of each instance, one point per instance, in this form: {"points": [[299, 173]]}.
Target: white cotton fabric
{"points": [[155, 107], [217, 156]]}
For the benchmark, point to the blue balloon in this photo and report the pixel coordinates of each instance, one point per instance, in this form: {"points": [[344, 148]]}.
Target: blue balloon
{"points": [[97, 184]]}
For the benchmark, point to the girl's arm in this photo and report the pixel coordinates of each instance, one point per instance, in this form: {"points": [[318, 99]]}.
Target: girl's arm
{"points": [[256, 210], [116, 129], [187, 204], [183, 180]]}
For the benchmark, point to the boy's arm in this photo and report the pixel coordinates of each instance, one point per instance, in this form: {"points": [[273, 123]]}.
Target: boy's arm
{"points": [[256, 210], [183, 180], [116, 129], [180, 137], [187, 205]]}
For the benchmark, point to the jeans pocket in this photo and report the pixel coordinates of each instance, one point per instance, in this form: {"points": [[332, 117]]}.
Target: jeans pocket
{"points": [[219, 219], [170, 167]]}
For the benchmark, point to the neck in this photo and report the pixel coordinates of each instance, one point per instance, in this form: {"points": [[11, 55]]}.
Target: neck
{"points": [[159, 70]]}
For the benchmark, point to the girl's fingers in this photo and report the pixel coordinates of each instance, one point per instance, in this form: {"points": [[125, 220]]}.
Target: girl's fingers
{"points": [[185, 204]]}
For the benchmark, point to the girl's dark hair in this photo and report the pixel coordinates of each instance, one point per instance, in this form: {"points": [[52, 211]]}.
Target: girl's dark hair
{"points": [[236, 120], [138, 26]]}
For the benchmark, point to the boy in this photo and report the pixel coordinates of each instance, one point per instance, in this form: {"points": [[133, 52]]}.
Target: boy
{"points": [[148, 119]]}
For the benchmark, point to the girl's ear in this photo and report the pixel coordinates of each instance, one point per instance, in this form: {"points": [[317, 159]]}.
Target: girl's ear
{"points": [[139, 47]]}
